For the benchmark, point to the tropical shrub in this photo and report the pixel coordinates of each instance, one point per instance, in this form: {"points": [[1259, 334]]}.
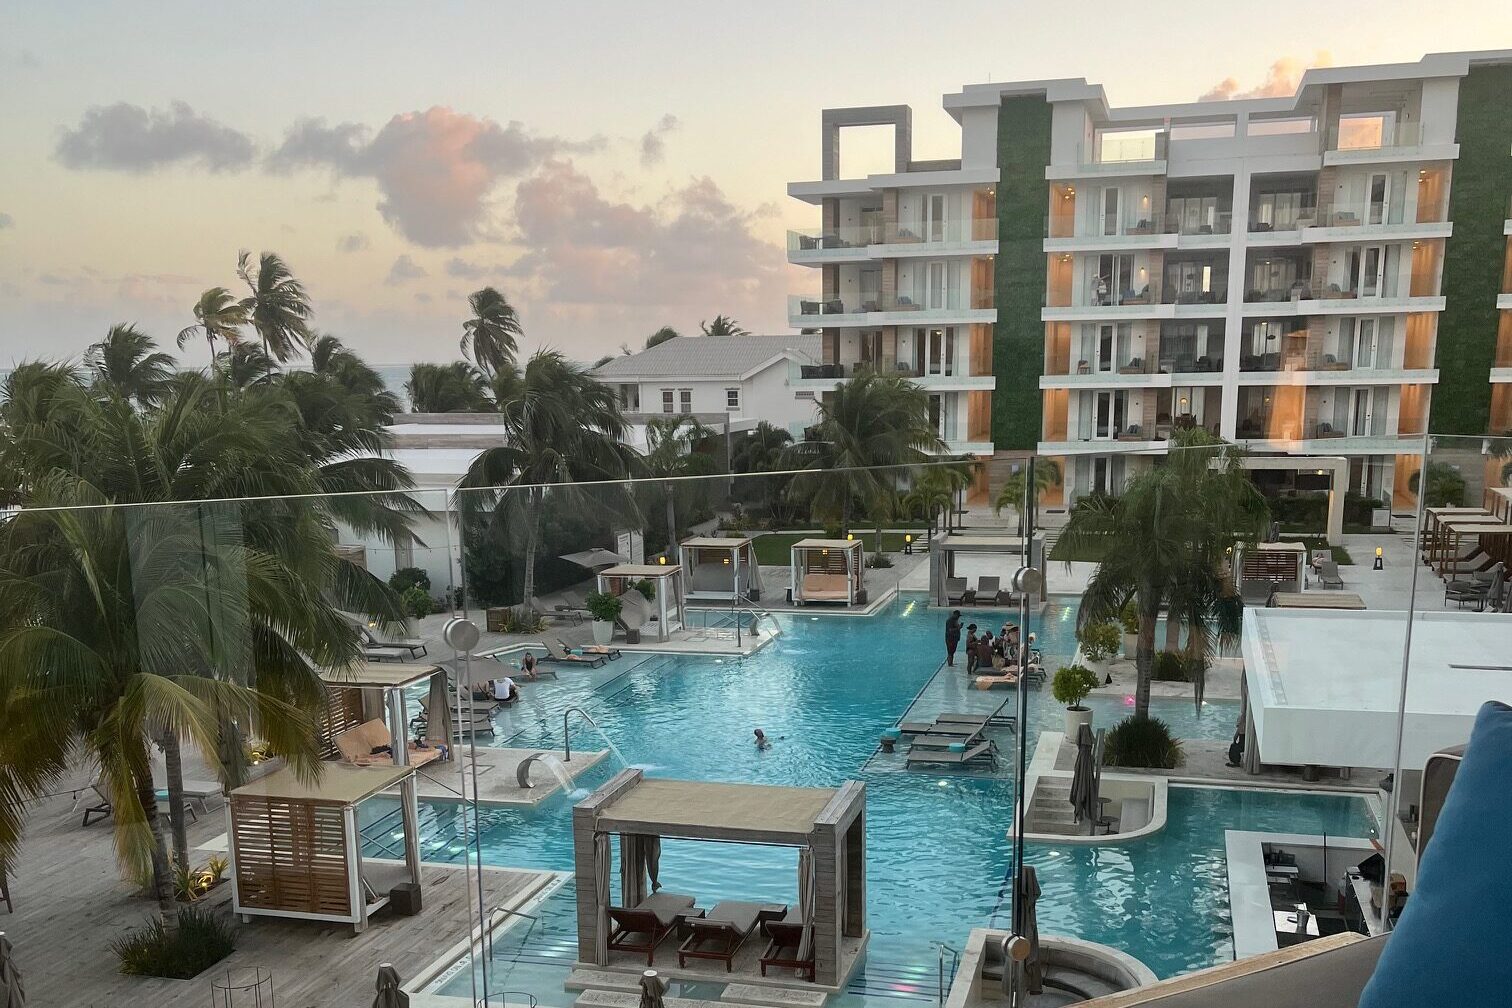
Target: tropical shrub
{"points": [[202, 939], [1071, 685], [521, 621], [1128, 618], [1099, 640], [417, 602], [879, 560], [1142, 742], [647, 588], [1446, 487], [1170, 666], [405, 578], [604, 607]]}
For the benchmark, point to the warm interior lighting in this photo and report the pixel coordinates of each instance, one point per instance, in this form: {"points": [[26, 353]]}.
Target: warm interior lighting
{"points": [[908, 537], [662, 559], [727, 561], [1380, 551], [1319, 472], [850, 536]]}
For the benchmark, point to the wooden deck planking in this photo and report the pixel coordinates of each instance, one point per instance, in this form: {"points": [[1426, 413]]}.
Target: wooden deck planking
{"points": [[70, 903]]}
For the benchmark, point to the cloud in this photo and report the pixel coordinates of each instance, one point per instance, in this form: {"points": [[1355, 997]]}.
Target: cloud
{"points": [[1281, 79], [6, 221], [126, 137], [404, 270], [423, 297], [692, 248], [653, 145], [354, 242], [464, 270], [435, 169]]}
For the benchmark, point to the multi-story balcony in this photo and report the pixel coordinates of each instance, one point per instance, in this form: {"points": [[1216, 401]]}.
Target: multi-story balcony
{"points": [[833, 245], [934, 237], [1384, 140], [914, 308], [810, 312]]}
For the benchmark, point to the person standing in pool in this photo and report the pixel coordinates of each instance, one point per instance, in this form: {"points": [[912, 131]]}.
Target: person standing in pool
{"points": [[952, 636], [971, 648]]}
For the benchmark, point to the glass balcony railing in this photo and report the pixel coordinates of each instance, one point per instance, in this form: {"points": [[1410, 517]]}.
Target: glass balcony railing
{"points": [[1264, 219], [1215, 223], [919, 301], [858, 236], [1214, 292], [961, 231], [1179, 362], [1367, 133], [851, 369], [1099, 292], [800, 305], [1277, 294]]}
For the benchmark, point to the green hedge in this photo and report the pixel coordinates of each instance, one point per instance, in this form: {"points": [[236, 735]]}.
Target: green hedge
{"points": [[1018, 339], [1474, 255]]}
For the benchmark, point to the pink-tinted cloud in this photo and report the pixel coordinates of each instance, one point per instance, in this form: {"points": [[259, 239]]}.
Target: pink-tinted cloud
{"points": [[435, 169], [692, 249], [1281, 79]]}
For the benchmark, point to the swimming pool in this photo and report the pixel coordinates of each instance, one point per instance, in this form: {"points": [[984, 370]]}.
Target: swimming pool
{"points": [[937, 854]]}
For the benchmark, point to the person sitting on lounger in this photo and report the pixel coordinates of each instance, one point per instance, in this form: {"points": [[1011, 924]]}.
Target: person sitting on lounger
{"points": [[985, 653], [528, 666], [505, 690]]}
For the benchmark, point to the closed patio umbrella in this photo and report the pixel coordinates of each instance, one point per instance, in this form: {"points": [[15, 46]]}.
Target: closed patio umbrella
{"points": [[389, 994], [12, 995], [1028, 926], [652, 987], [1083, 785], [594, 558], [438, 712]]}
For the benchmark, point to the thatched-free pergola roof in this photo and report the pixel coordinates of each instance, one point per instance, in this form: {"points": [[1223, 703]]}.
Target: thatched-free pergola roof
{"points": [[378, 675], [339, 784], [700, 810]]}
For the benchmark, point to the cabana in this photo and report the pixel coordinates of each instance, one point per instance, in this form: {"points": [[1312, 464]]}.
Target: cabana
{"points": [[1499, 502], [296, 848], [1435, 520], [667, 607], [1489, 535], [720, 569], [946, 547], [827, 825], [828, 570], [1272, 567], [370, 691]]}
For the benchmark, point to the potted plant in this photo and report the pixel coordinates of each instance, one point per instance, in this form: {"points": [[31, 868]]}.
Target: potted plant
{"points": [[1099, 641], [605, 609], [1071, 685]]}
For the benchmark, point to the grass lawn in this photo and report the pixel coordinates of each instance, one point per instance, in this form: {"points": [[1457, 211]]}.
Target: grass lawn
{"points": [[1340, 554], [774, 549]]}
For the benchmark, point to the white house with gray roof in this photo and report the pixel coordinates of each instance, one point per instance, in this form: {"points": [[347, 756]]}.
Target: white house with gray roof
{"points": [[735, 380]]}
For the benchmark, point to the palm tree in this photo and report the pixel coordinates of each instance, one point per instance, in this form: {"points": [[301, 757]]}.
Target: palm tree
{"points": [[723, 325], [218, 316], [278, 308], [1165, 541], [661, 336], [129, 362], [933, 493], [760, 451], [124, 626], [1446, 487], [869, 423], [671, 455], [457, 387], [1047, 474], [244, 365], [491, 337], [563, 428]]}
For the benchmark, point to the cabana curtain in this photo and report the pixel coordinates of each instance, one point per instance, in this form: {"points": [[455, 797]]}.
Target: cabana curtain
{"points": [[807, 898], [601, 877]]}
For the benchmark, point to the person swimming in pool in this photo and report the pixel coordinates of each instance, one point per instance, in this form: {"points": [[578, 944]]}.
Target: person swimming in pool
{"points": [[762, 742]]}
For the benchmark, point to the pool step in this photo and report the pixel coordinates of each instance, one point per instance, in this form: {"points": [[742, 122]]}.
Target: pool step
{"points": [[603, 980], [624, 999], [772, 997]]}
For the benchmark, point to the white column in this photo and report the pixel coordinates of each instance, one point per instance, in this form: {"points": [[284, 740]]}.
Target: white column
{"points": [[411, 806], [357, 902]]}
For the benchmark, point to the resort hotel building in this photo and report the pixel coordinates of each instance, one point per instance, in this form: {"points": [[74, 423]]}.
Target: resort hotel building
{"points": [[1320, 274]]}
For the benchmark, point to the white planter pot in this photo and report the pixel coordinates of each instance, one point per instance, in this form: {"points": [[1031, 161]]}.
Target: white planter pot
{"points": [[1074, 720], [1130, 645], [603, 631]]}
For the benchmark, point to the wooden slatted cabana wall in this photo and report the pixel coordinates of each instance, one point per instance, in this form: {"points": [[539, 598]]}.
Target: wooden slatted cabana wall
{"points": [[290, 855]]}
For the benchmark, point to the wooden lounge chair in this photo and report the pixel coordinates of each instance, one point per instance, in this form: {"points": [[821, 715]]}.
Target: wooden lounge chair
{"points": [[720, 932], [786, 938], [955, 590], [555, 652], [646, 925], [592, 649], [945, 757]]}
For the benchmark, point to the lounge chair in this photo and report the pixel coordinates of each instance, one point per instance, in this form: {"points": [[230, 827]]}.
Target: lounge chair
{"points": [[573, 614], [592, 649], [415, 646], [1479, 589], [944, 757], [102, 810], [816, 587], [383, 653], [725, 928], [939, 728], [987, 590], [786, 938], [1328, 575], [980, 720], [555, 652], [475, 716], [1480, 560], [646, 925], [955, 590], [357, 746], [541, 671], [571, 606]]}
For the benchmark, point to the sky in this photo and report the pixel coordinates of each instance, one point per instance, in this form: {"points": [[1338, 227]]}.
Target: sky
{"points": [[610, 167]]}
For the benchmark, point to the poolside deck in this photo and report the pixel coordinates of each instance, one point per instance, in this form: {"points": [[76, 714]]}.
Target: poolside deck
{"points": [[70, 903], [497, 783]]}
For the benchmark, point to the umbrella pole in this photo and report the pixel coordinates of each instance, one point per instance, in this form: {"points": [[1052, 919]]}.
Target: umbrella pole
{"points": [[1021, 745]]}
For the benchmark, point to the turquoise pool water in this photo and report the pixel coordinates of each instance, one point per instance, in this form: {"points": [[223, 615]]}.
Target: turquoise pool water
{"points": [[936, 846]]}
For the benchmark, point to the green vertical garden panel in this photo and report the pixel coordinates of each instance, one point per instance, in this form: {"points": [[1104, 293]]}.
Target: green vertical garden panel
{"points": [[1018, 341], [1475, 254]]}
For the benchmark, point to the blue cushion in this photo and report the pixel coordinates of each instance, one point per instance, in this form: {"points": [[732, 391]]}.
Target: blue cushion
{"points": [[1453, 943], [957, 747], [892, 733]]}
